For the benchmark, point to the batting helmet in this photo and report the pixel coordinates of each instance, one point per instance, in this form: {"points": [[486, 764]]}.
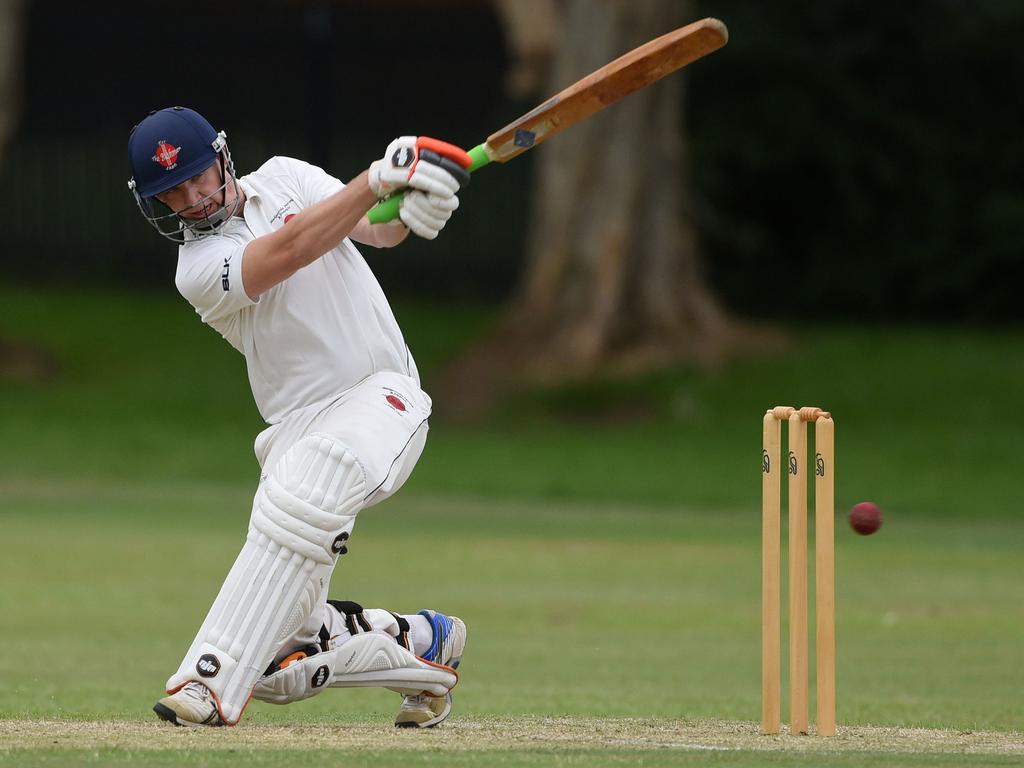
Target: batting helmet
{"points": [[170, 147]]}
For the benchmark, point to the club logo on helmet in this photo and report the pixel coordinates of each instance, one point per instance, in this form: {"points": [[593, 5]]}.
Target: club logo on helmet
{"points": [[166, 155]]}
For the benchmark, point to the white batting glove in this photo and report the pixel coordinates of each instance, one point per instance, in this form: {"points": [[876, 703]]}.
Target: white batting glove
{"points": [[419, 162], [426, 214]]}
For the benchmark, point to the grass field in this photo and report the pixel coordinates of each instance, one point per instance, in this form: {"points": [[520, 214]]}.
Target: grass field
{"points": [[601, 540]]}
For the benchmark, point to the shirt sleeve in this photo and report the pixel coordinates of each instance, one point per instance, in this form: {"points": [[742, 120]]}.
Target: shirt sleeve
{"points": [[314, 183], [209, 276]]}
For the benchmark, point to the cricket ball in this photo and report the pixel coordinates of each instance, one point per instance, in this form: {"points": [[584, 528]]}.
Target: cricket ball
{"points": [[865, 518]]}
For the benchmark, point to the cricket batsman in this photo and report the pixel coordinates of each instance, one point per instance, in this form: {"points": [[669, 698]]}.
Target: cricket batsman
{"points": [[269, 261]]}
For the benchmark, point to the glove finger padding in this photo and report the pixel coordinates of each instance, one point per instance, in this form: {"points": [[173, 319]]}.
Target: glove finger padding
{"points": [[421, 163], [457, 171], [430, 177], [439, 204], [426, 214]]}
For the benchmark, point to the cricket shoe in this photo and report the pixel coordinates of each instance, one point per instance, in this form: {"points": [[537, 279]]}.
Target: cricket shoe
{"points": [[446, 648], [192, 706]]}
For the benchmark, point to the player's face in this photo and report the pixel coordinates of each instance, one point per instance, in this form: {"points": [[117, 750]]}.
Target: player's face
{"points": [[197, 198]]}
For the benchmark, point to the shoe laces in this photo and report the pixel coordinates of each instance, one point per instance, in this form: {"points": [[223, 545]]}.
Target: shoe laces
{"points": [[197, 692], [417, 700]]}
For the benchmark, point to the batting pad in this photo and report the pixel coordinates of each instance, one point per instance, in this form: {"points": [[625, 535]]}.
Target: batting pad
{"points": [[367, 660], [302, 515]]}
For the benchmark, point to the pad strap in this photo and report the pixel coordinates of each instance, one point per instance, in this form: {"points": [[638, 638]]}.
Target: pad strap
{"points": [[355, 620], [402, 638]]}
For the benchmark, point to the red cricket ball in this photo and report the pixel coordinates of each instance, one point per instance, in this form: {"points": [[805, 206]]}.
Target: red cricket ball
{"points": [[865, 518]]}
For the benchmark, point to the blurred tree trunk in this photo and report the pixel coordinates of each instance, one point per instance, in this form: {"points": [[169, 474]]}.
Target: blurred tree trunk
{"points": [[532, 30], [613, 277], [16, 360], [613, 280], [11, 32]]}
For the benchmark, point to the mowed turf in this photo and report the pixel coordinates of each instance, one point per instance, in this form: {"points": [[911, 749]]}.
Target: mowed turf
{"points": [[610, 622], [582, 610]]}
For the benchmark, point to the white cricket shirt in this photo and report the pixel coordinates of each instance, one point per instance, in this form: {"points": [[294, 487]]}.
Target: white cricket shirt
{"points": [[309, 338]]}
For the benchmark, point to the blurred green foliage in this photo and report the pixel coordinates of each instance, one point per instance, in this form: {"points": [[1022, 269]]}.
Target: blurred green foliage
{"points": [[863, 160]]}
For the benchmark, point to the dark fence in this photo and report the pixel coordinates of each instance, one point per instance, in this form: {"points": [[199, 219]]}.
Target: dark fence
{"points": [[69, 218]]}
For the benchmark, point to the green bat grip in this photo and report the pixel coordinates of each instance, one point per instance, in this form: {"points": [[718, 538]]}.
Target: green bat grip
{"points": [[387, 210]]}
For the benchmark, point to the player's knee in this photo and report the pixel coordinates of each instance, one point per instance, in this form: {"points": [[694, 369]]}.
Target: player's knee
{"points": [[309, 499]]}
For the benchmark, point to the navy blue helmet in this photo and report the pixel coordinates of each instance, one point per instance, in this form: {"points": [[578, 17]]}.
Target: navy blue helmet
{"points": [[168, 148]]}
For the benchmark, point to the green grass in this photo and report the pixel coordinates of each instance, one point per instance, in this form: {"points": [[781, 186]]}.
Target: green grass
{"points": [[606, 569], [927, 420], [574, 607]]}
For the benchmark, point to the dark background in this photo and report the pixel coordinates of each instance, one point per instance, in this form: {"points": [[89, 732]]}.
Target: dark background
{"points": [[849, 159]]}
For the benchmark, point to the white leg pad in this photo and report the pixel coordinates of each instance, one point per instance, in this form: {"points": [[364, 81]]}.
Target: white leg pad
{"points": [[367, 660], [302, 516]]}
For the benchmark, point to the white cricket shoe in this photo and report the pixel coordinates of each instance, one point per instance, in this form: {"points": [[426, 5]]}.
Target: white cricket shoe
{"points": [[192, 706], [446, 648], [423, 711]]}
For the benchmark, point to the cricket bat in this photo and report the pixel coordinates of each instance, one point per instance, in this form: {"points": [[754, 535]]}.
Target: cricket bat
{"points": [[628, 73]]}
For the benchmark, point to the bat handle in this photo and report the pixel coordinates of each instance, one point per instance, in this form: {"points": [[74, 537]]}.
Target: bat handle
{"points": [[387, 210]]}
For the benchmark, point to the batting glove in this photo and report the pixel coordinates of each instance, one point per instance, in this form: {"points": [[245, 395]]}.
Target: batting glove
{"points": [[426, 214], [422, 163]]}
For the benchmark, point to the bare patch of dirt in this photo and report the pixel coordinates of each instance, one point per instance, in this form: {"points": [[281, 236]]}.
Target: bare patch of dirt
{"points": [[498, 734], [24, 362]]}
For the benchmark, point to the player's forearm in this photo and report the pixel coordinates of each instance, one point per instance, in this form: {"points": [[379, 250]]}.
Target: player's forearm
{"points": [[275, 257], [323, 226]]}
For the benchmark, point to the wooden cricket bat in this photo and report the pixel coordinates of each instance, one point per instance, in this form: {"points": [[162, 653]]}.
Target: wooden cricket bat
{"points": [[628, 73]]}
